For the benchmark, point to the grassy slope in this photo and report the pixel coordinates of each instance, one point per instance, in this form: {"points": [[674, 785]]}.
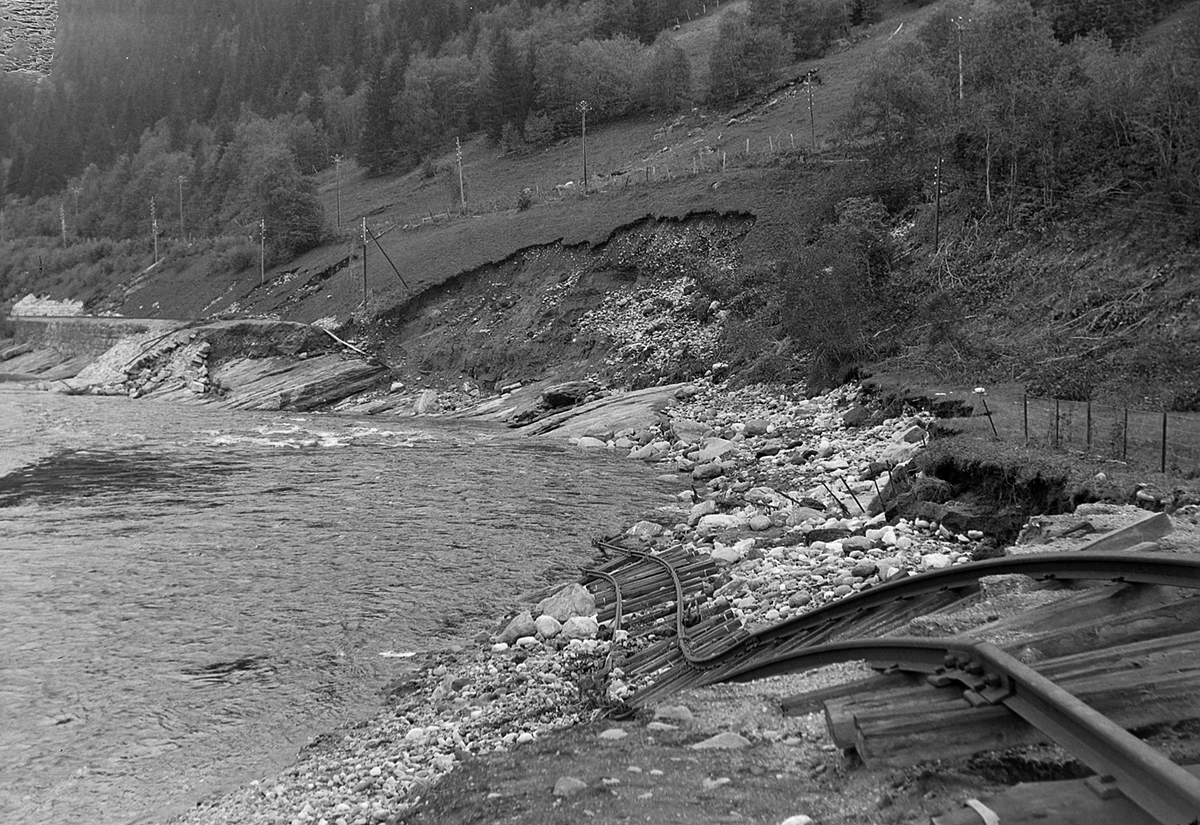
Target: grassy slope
{"points": [[1013, 296], [441, 249]]}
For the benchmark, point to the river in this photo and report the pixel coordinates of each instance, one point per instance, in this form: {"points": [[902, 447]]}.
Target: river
{"points": [[188, 595]]}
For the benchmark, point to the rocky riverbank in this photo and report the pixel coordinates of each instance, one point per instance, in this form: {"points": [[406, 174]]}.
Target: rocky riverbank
{"points": [[790, 495]]}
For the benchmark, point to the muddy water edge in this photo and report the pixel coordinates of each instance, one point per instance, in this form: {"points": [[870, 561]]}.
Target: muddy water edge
{"points": [[188, 596]]}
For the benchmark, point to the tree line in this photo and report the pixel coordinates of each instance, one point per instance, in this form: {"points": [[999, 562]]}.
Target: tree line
{"points": [[1020, 120]]}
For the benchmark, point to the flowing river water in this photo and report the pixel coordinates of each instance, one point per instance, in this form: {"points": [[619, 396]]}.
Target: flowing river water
{"points": [[189, 595]]}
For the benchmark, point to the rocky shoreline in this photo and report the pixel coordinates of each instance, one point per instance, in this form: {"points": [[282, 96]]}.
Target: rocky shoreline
{"points": [[789, 496]]}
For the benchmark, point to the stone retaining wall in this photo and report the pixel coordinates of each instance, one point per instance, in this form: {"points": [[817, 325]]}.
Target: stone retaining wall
{"points": [[82, 336]]}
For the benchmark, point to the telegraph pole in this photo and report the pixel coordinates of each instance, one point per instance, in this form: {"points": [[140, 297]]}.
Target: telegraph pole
{"points": [[262, 251], [937, 202], [181, 179], [62, 219], [462, 193], [154, 228], [584, 108], [337, 186], [364, 242], [959, 23], [812, 124]]}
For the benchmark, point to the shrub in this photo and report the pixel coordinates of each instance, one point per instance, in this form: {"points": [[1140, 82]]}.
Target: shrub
{"points": [[524, 200], [539, 130]]}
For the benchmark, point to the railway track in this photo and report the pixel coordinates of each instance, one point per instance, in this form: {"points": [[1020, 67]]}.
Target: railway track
{"points": [[1124, 627]]}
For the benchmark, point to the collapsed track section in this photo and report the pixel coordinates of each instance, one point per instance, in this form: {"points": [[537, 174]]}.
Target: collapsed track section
{"points": [[660, 599]]}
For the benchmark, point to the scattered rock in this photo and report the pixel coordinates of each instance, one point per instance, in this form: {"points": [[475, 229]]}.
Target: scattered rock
{"points": [[856, 416], [580, 627], [547, 626], [935, 561], [522, 625], [568, 786], [645, 530], [567, 394], [572, 600], [588, 442], [427, 403], [674, 713], [723, 741]]}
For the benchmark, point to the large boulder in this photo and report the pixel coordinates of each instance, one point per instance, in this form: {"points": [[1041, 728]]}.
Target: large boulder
{"points": [[689, 431], [522, 625], [572, 600], [567, 394], [712, 449], [580, 627], [427, 403]]}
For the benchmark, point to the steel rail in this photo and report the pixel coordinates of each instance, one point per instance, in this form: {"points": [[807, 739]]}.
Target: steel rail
{"points": [[1142, 568], [1153, 782], [1157, 785], [612, 580]]}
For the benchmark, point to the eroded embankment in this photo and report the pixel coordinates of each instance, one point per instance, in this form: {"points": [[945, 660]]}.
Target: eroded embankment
{"points": [[245, 364], [628, 310]]}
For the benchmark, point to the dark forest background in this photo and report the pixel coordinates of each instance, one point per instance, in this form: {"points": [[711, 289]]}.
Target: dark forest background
{"points": [[233, 106]]}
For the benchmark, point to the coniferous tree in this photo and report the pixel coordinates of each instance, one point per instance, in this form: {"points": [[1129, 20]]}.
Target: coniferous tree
{"points": [[377, 150], [506, 90]]}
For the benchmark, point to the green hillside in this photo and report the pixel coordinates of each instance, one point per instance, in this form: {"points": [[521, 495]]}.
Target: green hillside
{"points": [[1022, 254]]}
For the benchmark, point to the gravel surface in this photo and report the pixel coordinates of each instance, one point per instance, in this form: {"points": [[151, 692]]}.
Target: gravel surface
{"points": [[785, 493]]}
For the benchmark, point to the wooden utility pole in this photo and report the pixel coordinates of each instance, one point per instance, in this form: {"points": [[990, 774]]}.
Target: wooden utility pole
{"points": [[462, 193], [337, 186], [812, 124], [959, 23], [154, 228], [584, 108], [937, 204], [62, 220], [364, 271], [181, 179], [262, 251]]}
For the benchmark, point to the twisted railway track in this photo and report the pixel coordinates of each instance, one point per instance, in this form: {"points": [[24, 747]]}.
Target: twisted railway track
{"points": [[658, 606]]}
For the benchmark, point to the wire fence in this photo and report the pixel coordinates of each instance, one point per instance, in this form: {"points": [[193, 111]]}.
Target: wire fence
{"points": [[666, 166], [1152, 439]]}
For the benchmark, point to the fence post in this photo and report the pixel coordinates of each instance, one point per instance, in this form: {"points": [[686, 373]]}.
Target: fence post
{"points": [[1164, 442], [1025, 416]]}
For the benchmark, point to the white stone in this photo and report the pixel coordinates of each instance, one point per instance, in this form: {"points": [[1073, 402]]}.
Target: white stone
{"points": [[726, 555], [718, 521], [935, 561], [569, 786], [645, 529], [701, 509], [580, 627], [727, 740], [589, 443], [548, 626], [572, 600], [674, 713]]}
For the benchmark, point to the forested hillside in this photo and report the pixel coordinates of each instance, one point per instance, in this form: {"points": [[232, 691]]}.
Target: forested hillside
{"points": [[198, 132]]}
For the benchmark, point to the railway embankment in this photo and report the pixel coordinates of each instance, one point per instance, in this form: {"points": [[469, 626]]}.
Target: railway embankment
{"points": [[787, 506]]}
